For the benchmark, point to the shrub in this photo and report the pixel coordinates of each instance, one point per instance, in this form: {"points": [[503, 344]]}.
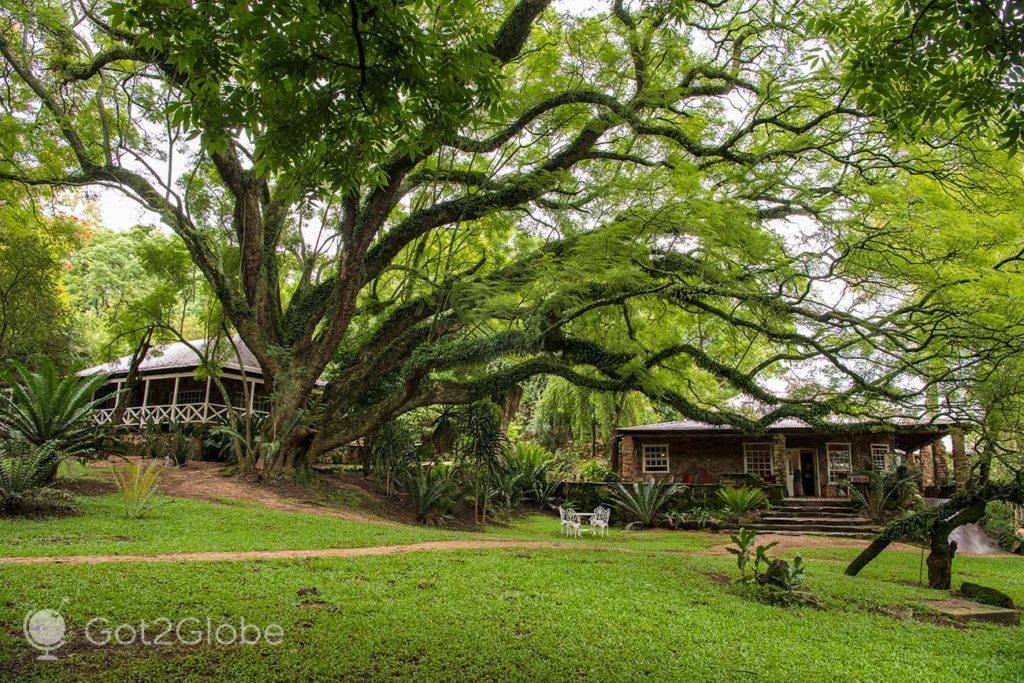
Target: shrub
{"points": [[534, 466], [740, 503], [238, 439], [595, 470], [45, 407], [138, 484], [173, 446], [431, 490], [643, 503], [507, 490], [23, 468], [1001, 524], [775, 582], [701, 517], [883, 493]]}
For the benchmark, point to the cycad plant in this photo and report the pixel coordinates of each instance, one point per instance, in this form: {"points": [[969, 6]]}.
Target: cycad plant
{"points": [[430, 490], [45, 407], [23, 465], [507, 490], [533, 465], [531, 461], [23, 469], [643, 503], [740, 503], [138, 484], [883, 493]]}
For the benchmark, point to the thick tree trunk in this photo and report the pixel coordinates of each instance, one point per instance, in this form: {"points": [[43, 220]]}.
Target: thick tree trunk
{"points": [[132, 379], [939, 524], [940, 561]]}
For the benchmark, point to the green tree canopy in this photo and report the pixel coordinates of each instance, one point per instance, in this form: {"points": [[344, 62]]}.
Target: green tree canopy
{"points": [[928, 66], [36, 319], [432, 202]]}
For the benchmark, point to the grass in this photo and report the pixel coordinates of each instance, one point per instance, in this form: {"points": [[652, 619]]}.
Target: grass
{"points": [[185, 525], [636, 606]]}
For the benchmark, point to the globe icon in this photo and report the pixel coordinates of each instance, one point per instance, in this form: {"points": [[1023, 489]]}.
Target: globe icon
{"points": [[44, 630]]}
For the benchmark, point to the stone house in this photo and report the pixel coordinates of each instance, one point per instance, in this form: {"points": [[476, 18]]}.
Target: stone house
{"points": [[807, 461]]}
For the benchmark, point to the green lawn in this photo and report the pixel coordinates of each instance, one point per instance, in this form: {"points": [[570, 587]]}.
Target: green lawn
{"points": [[635, 606], [185, 525]]}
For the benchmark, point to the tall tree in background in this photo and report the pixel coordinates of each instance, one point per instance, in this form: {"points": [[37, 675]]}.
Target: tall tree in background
{"points": [[123, 284], [470, 193], [36, 320]]}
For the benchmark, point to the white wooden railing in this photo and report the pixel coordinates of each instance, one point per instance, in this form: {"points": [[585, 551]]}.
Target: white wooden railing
{"points": [[182, 413]]}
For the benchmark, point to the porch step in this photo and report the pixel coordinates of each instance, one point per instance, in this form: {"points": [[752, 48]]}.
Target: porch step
{"points": [[819, 516], [831, 534], [786, 511], [820, 503], [812, 528], [792, 520]]}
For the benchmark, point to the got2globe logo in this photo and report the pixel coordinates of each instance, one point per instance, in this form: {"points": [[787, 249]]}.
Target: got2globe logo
{"points": [[44, 630]]}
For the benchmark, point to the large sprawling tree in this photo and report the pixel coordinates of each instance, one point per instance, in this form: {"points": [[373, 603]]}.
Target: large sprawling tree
{"points": [[431, 202]]}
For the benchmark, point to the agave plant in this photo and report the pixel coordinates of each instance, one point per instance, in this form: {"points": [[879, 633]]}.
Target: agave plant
{"points": [[45, 407], [431, 490], [740, 503], [643, 503], [138, 484]]}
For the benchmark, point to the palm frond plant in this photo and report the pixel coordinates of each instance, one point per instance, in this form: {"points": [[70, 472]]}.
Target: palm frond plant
{"points": [[43, 406], [23, 465], [531, 461], [643, 503], [138, 484], [507, 490], [883, 493], [431, 490], [741, 503], [23, 471], [238, 438]]}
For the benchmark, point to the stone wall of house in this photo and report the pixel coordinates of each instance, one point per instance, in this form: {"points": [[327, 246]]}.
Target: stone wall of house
{"points": [[629, 465], [691, 456]]}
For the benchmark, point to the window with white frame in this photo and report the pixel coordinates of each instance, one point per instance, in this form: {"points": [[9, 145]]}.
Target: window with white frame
{"points": [[655, 457], [192, 396], [839, 462], [757, 459], [879, 456]]}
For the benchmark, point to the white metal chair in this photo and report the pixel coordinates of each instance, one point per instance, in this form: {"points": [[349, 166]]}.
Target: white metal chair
{"points": [[599, 521], [570, 522]]}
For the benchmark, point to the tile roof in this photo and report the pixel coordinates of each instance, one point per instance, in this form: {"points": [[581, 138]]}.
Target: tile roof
{"points": [[787, 424], [181, 356]]}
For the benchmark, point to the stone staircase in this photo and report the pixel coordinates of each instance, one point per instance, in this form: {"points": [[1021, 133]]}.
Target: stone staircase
{"points": [[819, 516]]}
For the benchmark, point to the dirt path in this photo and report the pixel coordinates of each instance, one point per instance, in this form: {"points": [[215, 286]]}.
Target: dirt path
{"points": [[235, 556], [786, 543]]}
